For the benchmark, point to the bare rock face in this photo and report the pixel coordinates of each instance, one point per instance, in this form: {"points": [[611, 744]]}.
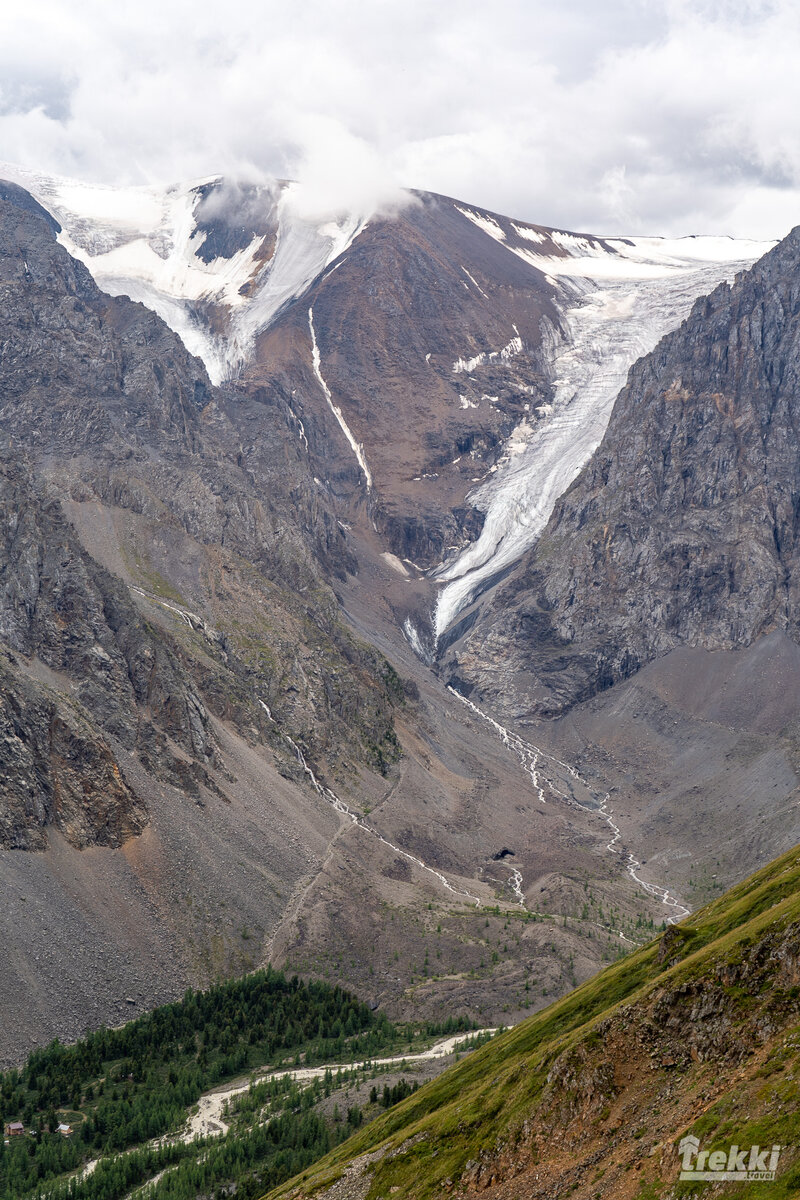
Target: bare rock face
{"points": [[63, 618], [57, 771], [683, 528], [430, 340]]}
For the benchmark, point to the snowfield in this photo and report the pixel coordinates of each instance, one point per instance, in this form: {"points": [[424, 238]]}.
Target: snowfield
{"points": [[144, 243]]}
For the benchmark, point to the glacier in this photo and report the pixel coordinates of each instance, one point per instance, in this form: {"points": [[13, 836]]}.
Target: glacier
{"points": [[618, 297], [143, 242]]}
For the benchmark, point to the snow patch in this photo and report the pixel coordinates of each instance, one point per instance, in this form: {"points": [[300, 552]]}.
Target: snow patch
{"points": [[638, 258], [357, 447], [530, 235], [571, 242], [416, 643], [475, 282], [303, 251], [395, 563], [484, 222], [618, 257], [301, 430], [509, 351]]}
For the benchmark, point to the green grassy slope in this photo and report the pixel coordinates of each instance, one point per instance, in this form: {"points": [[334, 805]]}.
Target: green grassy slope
{"points": [[693, 1032]]}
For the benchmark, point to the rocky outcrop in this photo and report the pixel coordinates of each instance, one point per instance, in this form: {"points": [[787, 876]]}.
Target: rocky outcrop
{"points": [[56, 771], [64, 618], [683, 529], [59, 607]]}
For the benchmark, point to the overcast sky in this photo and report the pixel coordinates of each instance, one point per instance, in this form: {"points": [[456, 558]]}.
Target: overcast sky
{"points": [[603, 115]]}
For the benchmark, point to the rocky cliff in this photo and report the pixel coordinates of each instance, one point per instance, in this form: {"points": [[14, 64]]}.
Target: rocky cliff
{"points": [[71, 621], [57, 771]]}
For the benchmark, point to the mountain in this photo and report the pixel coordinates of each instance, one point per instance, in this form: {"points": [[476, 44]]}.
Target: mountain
{"points": [[218, 748], [226, 743], [693, 1036], [419, 353]]}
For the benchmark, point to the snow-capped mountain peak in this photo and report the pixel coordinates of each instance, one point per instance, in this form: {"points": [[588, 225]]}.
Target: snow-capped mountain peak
{"points": [[215, 259]]}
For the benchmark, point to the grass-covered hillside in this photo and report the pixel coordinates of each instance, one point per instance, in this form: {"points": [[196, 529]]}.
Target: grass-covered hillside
{"points": [[696, 1033]]}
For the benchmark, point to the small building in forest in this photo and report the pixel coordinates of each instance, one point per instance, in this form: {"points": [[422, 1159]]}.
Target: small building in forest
{"points": [[15, 1129]]}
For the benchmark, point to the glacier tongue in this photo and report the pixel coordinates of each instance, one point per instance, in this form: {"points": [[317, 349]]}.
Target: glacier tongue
{"points": [[614, 312]]}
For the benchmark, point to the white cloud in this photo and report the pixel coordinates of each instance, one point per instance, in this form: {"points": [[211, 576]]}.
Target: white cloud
{"points": [[658, 115], [337, 171]]}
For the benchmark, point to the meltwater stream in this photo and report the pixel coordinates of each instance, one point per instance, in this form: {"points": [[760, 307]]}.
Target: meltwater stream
{"points": [[533, 760], [610, 322], [356, 818]]}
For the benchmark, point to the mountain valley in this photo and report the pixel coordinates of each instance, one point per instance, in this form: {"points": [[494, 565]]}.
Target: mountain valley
{"points": [[176, 657], [350, 622]]}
